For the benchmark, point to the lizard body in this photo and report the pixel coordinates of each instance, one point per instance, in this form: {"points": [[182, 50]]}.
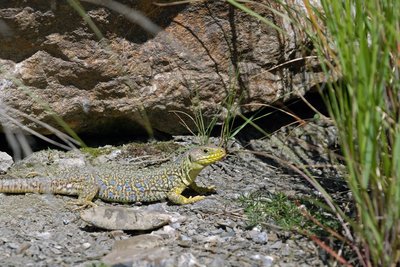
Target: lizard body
{"points": [[120, 183]]}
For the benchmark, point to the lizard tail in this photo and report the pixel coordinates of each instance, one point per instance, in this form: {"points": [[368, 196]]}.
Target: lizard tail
{"points": [[31, 185]]}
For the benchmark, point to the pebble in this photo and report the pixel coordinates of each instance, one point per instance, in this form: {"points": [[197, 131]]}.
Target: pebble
{"points": [[276, 245], [166, 232], [13, 245], [187, 259], [86, 245], [258, 237], [5, 162], [217, 262], [266, 261], [55, 251], [22, 248], [43, 235], [191, 232], [176, 225]]}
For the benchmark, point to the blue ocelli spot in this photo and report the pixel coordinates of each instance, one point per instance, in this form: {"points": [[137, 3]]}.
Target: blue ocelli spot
{"points": [[110, 195], [139, 187], [132, 197], [127, 186]]}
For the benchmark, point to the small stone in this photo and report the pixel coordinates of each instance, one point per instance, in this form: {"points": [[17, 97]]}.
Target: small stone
{"points": [[184, 241], [216, 231], [167, 232], [117, 234], [176, 225], [43, 235], [5, 162], [86, 245], [55, 251], [146, 241], [217, 262], [258, 237], [286, 251], [187, 259], [191, 232], [228, 234], [184, 238], [265, 261], [277, 245], [137, 257], [23, 248], [13, 245]]}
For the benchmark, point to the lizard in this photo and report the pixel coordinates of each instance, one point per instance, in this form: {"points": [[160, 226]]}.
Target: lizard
{"points": [[120, 183]]}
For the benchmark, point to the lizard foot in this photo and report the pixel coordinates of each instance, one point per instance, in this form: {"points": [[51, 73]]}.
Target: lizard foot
{"points": [[181, 200], [194, 199], [31, 174], [203, 190], [81, 204]]}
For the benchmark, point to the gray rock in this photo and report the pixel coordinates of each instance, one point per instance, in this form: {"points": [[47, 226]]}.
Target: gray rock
{"points": [[120, 218], [108, 86], [258, 237], [5, 162], [141, 250], [188, 260], [265, 261]]}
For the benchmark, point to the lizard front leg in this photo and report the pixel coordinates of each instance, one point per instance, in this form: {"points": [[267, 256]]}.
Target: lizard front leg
{"points": [[175, 196]]}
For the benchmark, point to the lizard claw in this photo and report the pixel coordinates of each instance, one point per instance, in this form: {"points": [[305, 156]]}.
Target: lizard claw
{"points": [[81, 204], [210, 189], [203, 190]]}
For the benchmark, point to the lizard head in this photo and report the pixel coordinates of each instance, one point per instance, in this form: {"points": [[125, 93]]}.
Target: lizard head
{"points": [[198, 158], [202, 156]]}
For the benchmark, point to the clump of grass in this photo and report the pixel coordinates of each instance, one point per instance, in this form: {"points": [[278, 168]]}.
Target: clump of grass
{"points": [[205, 127], [358, 47], [96, 151], [364, 38], [287, 212]]}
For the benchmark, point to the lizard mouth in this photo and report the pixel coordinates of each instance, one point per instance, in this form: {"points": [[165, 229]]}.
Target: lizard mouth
{"points": [[216, 155]]}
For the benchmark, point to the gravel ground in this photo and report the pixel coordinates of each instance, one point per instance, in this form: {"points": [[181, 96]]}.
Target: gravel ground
{"points": [[40, 230]]}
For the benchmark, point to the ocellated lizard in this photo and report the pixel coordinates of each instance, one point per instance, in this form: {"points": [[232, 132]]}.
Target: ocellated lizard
{"points": [[119, 183]]}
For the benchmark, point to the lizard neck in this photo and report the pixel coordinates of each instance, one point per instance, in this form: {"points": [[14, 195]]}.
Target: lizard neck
{"points": [[190, 172]]}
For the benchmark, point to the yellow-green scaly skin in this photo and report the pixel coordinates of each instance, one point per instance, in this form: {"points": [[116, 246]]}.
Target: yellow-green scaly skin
{"points": [[121, 183]]}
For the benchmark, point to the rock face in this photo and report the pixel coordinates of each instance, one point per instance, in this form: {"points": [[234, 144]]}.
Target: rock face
{"points": [[131, 79]]}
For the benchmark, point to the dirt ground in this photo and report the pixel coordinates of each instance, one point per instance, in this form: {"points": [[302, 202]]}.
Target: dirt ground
{"points": [[40, 230]]}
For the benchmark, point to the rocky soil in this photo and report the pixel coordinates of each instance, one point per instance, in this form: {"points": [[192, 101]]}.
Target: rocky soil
{"points": [[41, 230]]}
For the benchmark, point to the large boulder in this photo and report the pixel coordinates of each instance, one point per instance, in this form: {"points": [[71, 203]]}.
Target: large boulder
{"points": [[50, 59]]}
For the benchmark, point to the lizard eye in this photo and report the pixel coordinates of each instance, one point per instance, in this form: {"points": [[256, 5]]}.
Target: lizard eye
{"points": [[206, 150]]}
